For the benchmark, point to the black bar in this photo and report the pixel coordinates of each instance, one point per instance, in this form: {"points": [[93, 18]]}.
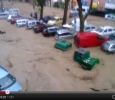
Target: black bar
{"points": [[92, 96]]}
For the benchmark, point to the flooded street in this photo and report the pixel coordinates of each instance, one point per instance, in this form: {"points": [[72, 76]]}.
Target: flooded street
{"points": [[38, 66]]}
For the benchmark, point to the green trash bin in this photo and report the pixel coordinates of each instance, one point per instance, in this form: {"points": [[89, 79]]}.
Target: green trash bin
{"points": [[63, 45], [82, 56]]}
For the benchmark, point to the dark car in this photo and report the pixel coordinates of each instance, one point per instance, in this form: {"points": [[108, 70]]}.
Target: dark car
{"points": [[51, 30], [39, 27], [47, 18]]}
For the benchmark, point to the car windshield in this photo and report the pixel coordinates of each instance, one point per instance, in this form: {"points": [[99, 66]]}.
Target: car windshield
{"points": [[71, 23], [99, 30], [106, 45], [6, 81]]}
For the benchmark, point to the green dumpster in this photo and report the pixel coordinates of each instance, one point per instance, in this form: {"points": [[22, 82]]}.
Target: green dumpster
{"points": [[63, 45], [82, 56]]}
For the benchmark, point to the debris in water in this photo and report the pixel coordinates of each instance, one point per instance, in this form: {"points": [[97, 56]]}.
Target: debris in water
{"points": [[67, 69], [94, 89]]}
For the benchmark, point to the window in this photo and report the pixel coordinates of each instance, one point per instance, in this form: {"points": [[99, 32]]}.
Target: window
{"points": [[33, 23], [99, 37], [6, 81], [92, 27], [87, 28], [99, 30], [105, 31], [109, 30], [51, 30], [113, 29], [113, 47]]}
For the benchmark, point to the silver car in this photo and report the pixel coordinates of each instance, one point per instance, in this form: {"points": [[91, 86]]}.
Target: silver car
{"points": [[3, 15], [108, 46], [8, 82], [21, 22], [64, 34]]}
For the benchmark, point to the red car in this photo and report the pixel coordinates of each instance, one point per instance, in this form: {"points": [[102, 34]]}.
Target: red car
{"points": [[13, 20], [88, 39], [38, 28]]}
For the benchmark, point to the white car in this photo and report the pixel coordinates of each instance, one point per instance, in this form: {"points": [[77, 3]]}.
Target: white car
{"points": [[110, 17], [87, 27], [105, 30]]}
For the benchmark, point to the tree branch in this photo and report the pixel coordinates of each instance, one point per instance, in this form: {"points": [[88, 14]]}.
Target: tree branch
{"points": [[90, 8]]}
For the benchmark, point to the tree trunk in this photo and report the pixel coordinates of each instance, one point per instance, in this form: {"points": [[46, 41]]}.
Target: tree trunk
{"points": [[65, 12], [1, 3], [41, 12], [90, 8], [81, 16]]}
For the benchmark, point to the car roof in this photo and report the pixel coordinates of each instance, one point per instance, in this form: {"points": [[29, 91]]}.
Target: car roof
{"points": [[20, 19], [83, 34], [89, 25], [104, 27], [61, 31], [111, 42], [3, 72]]}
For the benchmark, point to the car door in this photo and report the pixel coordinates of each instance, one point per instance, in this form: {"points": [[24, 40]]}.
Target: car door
{"points": [[68, 35], [110, 31], [112, 48]]}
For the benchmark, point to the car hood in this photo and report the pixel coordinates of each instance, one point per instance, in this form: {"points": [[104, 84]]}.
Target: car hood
{"points": [[51, 22], [68, 26], [15, 87]]}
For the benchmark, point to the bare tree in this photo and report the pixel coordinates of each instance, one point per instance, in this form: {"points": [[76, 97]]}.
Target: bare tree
{"points": [[83, 18]]}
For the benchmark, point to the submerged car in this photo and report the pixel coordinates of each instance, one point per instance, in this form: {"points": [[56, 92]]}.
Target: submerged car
{"points": [[13, 20], [38, 28], [108, 46], [10, 16], [110, 17], [8, 82], [50, 30], [47, 18], [55, 21], [64, 34], [88, 39], [105, 30]]}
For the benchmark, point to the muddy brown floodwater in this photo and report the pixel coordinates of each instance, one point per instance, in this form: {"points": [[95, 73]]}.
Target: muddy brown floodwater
{"points": [[38, 66]]}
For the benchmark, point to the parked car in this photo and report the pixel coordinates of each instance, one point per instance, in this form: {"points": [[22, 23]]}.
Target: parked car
{"points": [[47, 18], [50, 30], [55, 21], [88, 39], [30, 24], [110, 17], [39, 28], [3, 15], [8, 82], [108, 46], [13, 20], [111, 37], [21, 22], [87, 27], [14, 10], [64, 34], [105, 30], [10, 16]]}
